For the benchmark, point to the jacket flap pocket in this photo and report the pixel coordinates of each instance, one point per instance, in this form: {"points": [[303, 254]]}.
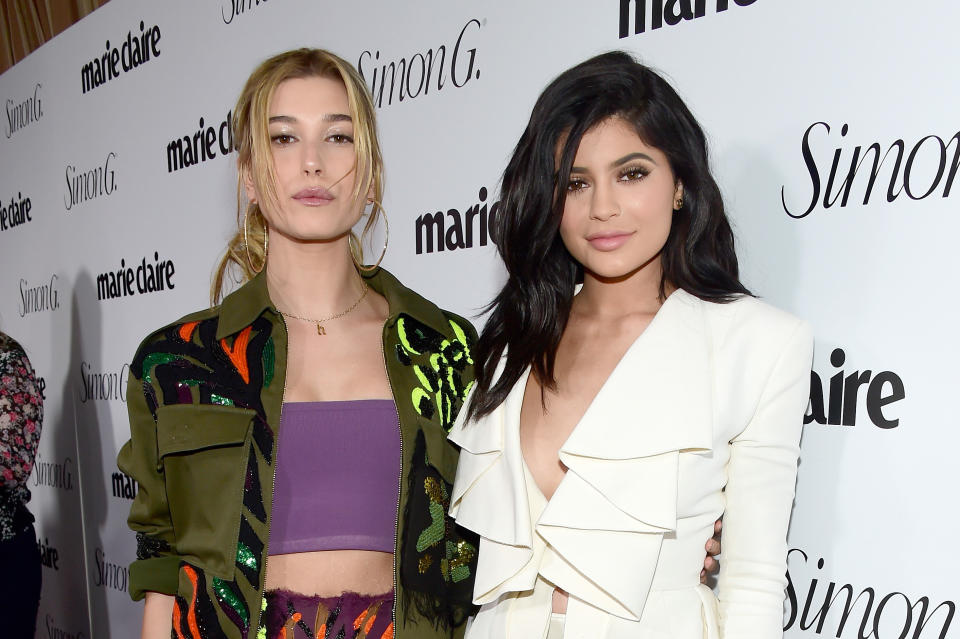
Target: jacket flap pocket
{"points": [[189, 427]]}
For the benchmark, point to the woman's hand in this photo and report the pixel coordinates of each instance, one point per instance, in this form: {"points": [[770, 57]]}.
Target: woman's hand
{"points": [[711, 565]]}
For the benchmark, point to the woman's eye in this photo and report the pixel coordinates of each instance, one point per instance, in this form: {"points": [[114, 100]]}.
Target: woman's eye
{"points": [[281, 139], [340, 138], [634, 173], [576, 185]]}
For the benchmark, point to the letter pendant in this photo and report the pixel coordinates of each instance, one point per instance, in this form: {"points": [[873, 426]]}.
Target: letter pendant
{"points": [[320, 329]]}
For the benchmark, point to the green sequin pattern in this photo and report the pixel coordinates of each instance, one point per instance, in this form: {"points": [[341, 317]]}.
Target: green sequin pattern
{"points": [[438, 365], [245, 556], [460, 555], [262, 631], [227, 596], [269, 359], [433, 534], [152, 360], [221, 400]]}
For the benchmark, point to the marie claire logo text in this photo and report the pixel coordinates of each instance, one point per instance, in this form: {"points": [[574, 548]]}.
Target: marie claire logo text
{"points": [[15, 213], [146, 277], [87, 184], [24, 112], [124, 486], [201, 146], [836, 404], [49, 556], [134, 51], [671, 12], [38, 297], [455, 230], [825, 610], [414, 75], [928, 168]]}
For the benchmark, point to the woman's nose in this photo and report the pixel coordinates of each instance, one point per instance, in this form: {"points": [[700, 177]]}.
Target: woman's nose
{"points": [[312, 160], [603, 205]]}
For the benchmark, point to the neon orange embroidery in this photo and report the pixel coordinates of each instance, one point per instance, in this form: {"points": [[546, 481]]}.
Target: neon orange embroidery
{"points": [[186, 331], [369, 624], [238, 354], [192, 610], [388, 633], [359, 620], [176, 620], [292, 621]]}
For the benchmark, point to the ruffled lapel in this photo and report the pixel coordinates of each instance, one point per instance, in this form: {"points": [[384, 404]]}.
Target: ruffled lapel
{"points": [[658, 399], [661, 389], [619, 495], [492, 473], [489, 497]]}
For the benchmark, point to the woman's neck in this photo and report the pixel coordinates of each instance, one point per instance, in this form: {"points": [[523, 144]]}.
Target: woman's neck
{"points": [[311, 279], [637, 293]]}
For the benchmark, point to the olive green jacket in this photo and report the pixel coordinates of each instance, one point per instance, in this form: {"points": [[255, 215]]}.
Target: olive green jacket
{"points": [[204, 399]]}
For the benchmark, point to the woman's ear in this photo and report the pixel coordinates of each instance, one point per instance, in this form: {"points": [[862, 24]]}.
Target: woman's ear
{"points": [[248, 186]]}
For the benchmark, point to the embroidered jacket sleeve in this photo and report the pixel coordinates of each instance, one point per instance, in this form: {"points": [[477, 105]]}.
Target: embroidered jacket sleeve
{"points": [[156, 568], [759, 497], [21, 414]]}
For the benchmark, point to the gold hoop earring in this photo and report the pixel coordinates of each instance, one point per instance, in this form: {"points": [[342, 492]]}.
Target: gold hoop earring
{"points": [[246, 244], [356, 253]]}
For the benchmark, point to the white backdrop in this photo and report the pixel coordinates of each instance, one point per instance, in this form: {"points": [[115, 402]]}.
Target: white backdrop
{"points": [[874, 512]]}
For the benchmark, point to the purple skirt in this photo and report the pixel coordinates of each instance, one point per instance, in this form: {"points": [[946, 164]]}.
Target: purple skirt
{"points": [[290, 615]]}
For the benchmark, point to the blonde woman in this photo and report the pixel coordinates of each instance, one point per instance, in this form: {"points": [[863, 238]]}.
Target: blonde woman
{"points": [[290, 442]]}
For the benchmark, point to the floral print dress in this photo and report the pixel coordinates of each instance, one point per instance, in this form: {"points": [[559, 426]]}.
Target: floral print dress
{"points": [[21, 413]]}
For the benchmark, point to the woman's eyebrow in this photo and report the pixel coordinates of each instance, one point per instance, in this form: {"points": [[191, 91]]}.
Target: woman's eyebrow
{"points": [[627, 158], [632, 156], [329, 117]]}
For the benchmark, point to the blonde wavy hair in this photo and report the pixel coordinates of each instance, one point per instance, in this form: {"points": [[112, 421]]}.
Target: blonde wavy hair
{"points": [[247, 248]]}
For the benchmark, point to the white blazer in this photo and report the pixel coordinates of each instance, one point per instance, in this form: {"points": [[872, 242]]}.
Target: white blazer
{"points": [[701, 418]]}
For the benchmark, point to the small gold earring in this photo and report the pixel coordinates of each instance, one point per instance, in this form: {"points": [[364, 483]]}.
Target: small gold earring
{"points": [[678, 204]]}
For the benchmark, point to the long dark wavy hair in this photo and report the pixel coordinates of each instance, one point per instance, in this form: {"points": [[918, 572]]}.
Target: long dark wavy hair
{"points": [[530, 313]]}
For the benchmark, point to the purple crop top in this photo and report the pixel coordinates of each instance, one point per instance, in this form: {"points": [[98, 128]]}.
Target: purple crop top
{"points": [[338, 474]]}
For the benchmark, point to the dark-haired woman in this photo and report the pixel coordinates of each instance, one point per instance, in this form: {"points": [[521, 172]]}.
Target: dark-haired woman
{"points": [[611, 424]]}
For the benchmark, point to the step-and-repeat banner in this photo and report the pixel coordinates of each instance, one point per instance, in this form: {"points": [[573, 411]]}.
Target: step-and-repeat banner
{"points": [[834, 134]]}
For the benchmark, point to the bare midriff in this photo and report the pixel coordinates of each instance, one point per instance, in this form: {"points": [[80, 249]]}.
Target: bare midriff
{"points": [[328, 573], [560, 597]]}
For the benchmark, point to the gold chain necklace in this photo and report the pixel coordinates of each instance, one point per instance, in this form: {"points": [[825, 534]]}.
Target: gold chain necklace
{"points": [[319, 322]]}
